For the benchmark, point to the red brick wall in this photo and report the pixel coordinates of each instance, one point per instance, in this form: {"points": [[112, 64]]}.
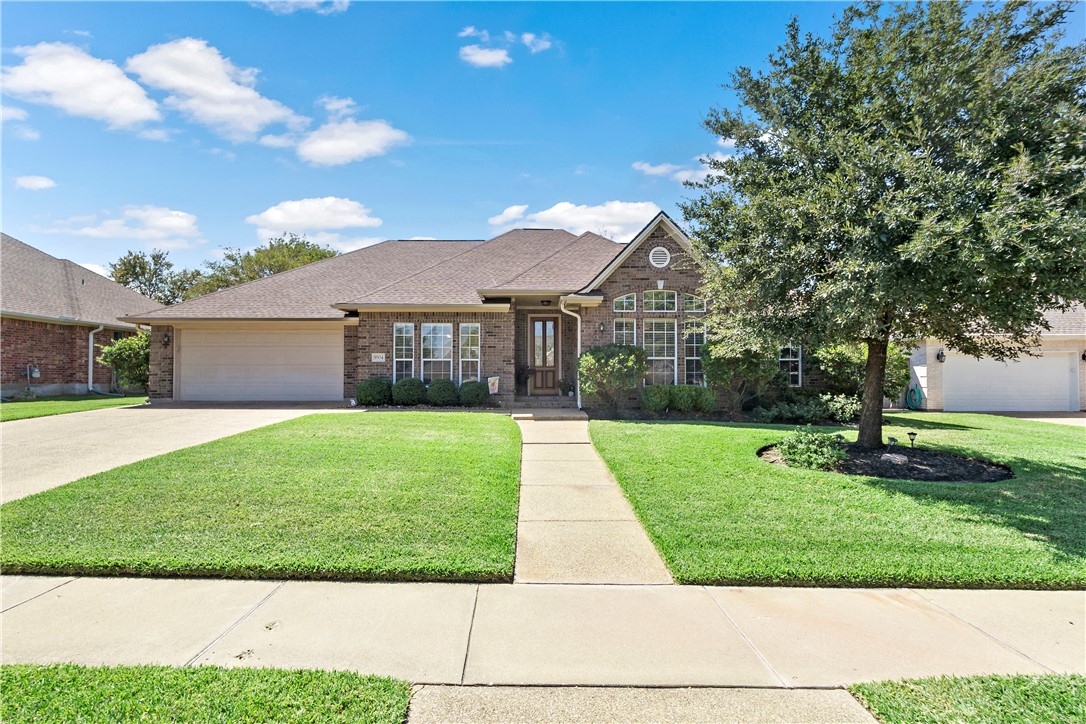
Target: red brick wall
{"points": [[160, 386], [59, 351]]}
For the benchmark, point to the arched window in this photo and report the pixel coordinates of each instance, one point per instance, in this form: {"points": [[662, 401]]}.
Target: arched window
{"points": [[658, 300], [625, 303]]}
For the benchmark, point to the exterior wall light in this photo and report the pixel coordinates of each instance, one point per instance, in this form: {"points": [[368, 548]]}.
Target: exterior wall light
{"points": [[941, 356], [1084, 356], [166, 340], [603, 327]]}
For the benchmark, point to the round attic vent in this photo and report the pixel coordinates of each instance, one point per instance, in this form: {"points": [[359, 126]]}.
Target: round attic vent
{"points": [[659, 257]]}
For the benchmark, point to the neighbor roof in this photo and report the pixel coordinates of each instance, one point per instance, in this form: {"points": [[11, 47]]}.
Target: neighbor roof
{"points": [[1069, 323], [35, 285]]}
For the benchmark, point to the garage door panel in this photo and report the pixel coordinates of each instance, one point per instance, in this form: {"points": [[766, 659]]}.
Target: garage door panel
{"points": [[249, 356], [1045, 383]]}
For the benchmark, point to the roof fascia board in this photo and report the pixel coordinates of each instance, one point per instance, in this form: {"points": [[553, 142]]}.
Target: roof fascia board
{"points": [[181, 320], [70, 321], [663, 219], [585, 300], [362, 308]]}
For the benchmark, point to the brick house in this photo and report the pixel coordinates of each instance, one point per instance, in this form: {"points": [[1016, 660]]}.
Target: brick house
{"points": [[53, 313], [520, 307]]}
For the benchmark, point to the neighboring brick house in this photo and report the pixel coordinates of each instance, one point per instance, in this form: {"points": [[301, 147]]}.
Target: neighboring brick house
{"points": [[519, 307], [51, 312]]}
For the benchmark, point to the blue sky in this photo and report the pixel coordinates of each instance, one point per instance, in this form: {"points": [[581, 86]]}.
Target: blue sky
{"points": [[196, 126]]}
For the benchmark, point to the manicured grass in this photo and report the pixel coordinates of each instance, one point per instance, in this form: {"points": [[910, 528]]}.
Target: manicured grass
{"points": [[364, 495], [62, 405], [719, 514], [987, 699], [206, 693]]}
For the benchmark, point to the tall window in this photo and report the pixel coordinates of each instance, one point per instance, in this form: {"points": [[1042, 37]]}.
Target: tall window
{"points": [[625, 303], [403, 351], [693, 304], [659, 342], [469, 352], [625, 331], [658, 301], [437, 352], [693, 339], [791, 361]]}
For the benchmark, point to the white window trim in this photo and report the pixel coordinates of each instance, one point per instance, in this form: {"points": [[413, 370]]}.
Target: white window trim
{"points": [[693, 323], [674, 345], [614, 333], [395, 359], [686, 303], [674, 298], [422, 350], [479, 350], [614, 304], [798, 359]]}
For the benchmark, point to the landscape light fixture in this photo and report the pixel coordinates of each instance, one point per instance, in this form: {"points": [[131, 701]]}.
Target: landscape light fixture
{"points": [[941, 356], [912, 439]]}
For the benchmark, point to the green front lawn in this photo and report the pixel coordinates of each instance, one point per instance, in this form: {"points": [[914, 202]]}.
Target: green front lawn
{"points": [[987, 699], [163, 694], [62, 405], [719, 514], [365, 495]]}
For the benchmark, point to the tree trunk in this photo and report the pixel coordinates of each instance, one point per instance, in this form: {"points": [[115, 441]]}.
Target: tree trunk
{"points": [[874, 376]]}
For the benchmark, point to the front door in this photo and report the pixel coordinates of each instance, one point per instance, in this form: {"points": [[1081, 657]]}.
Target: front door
{"points": [[543, 349]]}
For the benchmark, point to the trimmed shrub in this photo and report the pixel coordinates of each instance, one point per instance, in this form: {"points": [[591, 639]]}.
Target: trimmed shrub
{"points": [[130, 358], [443, 393], [844, 367], [474, 394], [805, 448], [611, 373], [681, 398], [656, 398], [741, 379], [842, 408], [374, 391], [802, 411], [408, 391], [704, 400]]}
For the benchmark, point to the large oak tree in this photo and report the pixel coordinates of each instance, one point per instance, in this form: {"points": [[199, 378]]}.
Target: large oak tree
{"points": [[921, 172]]}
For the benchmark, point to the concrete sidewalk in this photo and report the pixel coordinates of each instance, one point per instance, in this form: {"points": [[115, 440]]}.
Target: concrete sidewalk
{"points": [[575, 525], [547, 635]]}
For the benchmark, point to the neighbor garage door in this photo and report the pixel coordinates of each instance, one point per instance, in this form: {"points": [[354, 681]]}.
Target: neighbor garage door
{"points": [[1045, 383], [260, 364]]}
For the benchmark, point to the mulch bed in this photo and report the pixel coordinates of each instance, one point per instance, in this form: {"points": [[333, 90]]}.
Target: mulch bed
{"points": [[922, 465]]}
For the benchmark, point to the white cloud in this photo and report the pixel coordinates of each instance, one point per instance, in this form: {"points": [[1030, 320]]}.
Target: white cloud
{"points": [[288, 7], [283, 140], [35, 183], [680, 173], [210, 89], [27, 133], [162, 227], [423, 238], [510, 214], [11, 113], [96, 268], [471, 32], [155, 134], [315, 217], [662, 169], [618, 220], [338, 108], [536, 43], [482, 57], [339, 142], [79, 84], [342, 243]]}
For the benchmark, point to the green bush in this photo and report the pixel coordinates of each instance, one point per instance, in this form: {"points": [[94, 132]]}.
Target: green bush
{"points": [[681, 398], [844, 366], [842, 408], [408, 391], [656, 398], [373, 392], [803, 411], [704, 400], [805, 448], [474, 394], [443, 393], [611, 373], [741, 379], [130, 358]]}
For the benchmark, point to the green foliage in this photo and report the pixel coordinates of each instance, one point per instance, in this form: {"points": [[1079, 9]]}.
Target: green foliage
{"points": [[474, 394], [153, 275], [656, 398], [443, 393], [876, 194], [374, 392], [130, 358], [612, 372], [843, 366], [805, 448], [704, 399], [62, 405], [408, 391], [801, 411], [682, 398], [236, 267], [741, 378], [841, 408]]}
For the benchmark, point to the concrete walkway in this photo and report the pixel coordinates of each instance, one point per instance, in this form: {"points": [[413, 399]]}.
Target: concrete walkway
{"points": [[547, 635], [575, 525], [45, 452]]}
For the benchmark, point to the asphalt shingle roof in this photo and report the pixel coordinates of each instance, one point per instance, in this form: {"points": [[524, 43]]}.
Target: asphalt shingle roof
{"points": [[36, 284], [1070, 322]]}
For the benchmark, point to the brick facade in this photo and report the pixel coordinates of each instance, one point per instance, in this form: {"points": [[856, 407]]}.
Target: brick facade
{"points": [[160, 386], [58, 350]]}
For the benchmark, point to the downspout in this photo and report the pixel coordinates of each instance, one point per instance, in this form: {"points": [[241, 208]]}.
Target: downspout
{"points": [[577, 378], [90, 357]]}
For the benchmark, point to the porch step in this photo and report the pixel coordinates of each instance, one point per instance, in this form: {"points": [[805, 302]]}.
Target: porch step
{"points": [[553, 414], [548, 402]]}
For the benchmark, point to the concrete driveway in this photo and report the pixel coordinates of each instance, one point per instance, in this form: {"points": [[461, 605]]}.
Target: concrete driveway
{"points": [[44, 452], [1076, 419]]}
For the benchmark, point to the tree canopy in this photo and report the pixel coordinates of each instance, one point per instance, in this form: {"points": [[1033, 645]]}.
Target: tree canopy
{"points": [[921, 172], [153, 275], [280, 254]]}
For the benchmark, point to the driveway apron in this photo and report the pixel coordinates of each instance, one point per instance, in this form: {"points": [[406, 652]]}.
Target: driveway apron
{"points": [[575, 525]]}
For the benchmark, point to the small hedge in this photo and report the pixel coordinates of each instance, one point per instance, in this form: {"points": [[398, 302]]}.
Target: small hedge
{"points": [[610, 373], [806, 448], [373, 392], [408, 391], [474, 394], [656, 398], [704, 399], [682, 399], [443, 393]]}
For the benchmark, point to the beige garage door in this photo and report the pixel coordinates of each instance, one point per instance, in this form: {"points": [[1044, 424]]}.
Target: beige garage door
{"points": [[1047, 383], [260, 364]]}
